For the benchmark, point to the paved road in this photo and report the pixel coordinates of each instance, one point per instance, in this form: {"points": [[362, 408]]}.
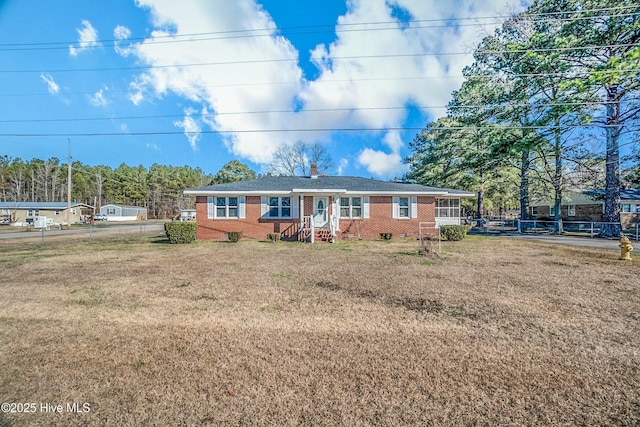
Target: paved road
{"points": [[114, 228]]}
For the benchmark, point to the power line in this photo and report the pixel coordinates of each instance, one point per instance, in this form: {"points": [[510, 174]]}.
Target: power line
{"points": [[334, 58], [247, 131], [337, 28], [372, 79], [505, 106]]}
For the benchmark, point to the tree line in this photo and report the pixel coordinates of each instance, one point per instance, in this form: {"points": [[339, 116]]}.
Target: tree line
{"points": [[159, 188], [549, 101]]}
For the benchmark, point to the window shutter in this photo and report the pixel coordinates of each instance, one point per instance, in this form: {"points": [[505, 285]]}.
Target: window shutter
{"points": [[242, 211], [396, 208], [210, 208], [295, 205], [365, 207], [414, 207], [264, 208]]}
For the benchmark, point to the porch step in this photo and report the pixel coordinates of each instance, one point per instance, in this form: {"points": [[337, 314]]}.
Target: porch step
{"points": [[323, 235]]}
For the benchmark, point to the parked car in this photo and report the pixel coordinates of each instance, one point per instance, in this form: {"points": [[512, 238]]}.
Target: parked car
{"points": [[99, 217]]}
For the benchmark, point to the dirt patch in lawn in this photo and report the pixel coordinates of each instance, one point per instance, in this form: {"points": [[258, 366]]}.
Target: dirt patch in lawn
{"points": [[356, 333]]}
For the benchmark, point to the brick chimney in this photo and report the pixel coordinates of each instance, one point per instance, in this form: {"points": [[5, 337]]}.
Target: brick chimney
{"points": [[314, 171]]}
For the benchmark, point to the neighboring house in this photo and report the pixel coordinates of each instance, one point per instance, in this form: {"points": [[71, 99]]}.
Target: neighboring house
{"points": [[23, 213], [337, 207], [124, 213], [588, 205]]}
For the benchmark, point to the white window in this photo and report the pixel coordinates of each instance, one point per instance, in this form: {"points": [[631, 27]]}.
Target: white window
{"points": [[534, 210], [403, 203], [637, 208], [552, 210], [274, 207], [350, 207], [226, 207], [111, 211], [405, 207], [626, 208], [33, 212], [447, 208], [279, 207], [571, 210], [57, 212]]}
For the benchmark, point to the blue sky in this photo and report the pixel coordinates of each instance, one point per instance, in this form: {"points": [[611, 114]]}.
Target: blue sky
{"points": [[202, 82]]}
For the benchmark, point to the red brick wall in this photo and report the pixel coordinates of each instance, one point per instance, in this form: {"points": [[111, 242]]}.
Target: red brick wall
{"points": [[380, 220], [590, 213], [252, 227]]}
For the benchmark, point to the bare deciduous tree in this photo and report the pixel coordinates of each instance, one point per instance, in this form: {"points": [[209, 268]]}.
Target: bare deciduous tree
{"points": [[296, 159]]}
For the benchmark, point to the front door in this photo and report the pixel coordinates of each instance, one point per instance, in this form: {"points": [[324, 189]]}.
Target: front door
{"points": [[320, 211]]}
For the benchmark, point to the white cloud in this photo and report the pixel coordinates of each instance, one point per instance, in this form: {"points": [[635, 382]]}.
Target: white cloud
{"points": [[355, 89], [98, 99], [88, 38], [229, 88], [382, 164], [120, 34], [394, 141], [52, 86], [191, 128], [342, 165], [353, 75]]}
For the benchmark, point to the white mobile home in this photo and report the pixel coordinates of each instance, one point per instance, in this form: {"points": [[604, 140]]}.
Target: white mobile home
{"points": [[124, 213]]}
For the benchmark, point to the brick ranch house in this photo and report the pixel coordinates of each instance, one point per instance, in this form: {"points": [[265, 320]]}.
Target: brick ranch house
{"points": [[335, 207], [588, 205]]}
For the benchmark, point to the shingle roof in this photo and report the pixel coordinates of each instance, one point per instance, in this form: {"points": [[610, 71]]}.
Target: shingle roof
{"points": [[39, 205], [625, 194], [328, 183]]}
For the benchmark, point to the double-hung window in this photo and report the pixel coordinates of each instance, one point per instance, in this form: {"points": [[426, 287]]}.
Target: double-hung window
{"points": [[350, 207], [626, 207], [571, 210], [226, 207], [403, 206], [279, 207]]}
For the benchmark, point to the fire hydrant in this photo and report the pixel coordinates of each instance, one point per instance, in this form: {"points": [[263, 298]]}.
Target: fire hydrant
{"points": [[625, 248]]}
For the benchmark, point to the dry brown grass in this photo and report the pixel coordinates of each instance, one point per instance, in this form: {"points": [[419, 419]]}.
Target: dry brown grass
{"points": [[357, 333]]}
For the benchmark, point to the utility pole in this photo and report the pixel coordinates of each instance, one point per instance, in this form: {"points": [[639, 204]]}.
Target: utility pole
{"points": [[69, 188]]}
